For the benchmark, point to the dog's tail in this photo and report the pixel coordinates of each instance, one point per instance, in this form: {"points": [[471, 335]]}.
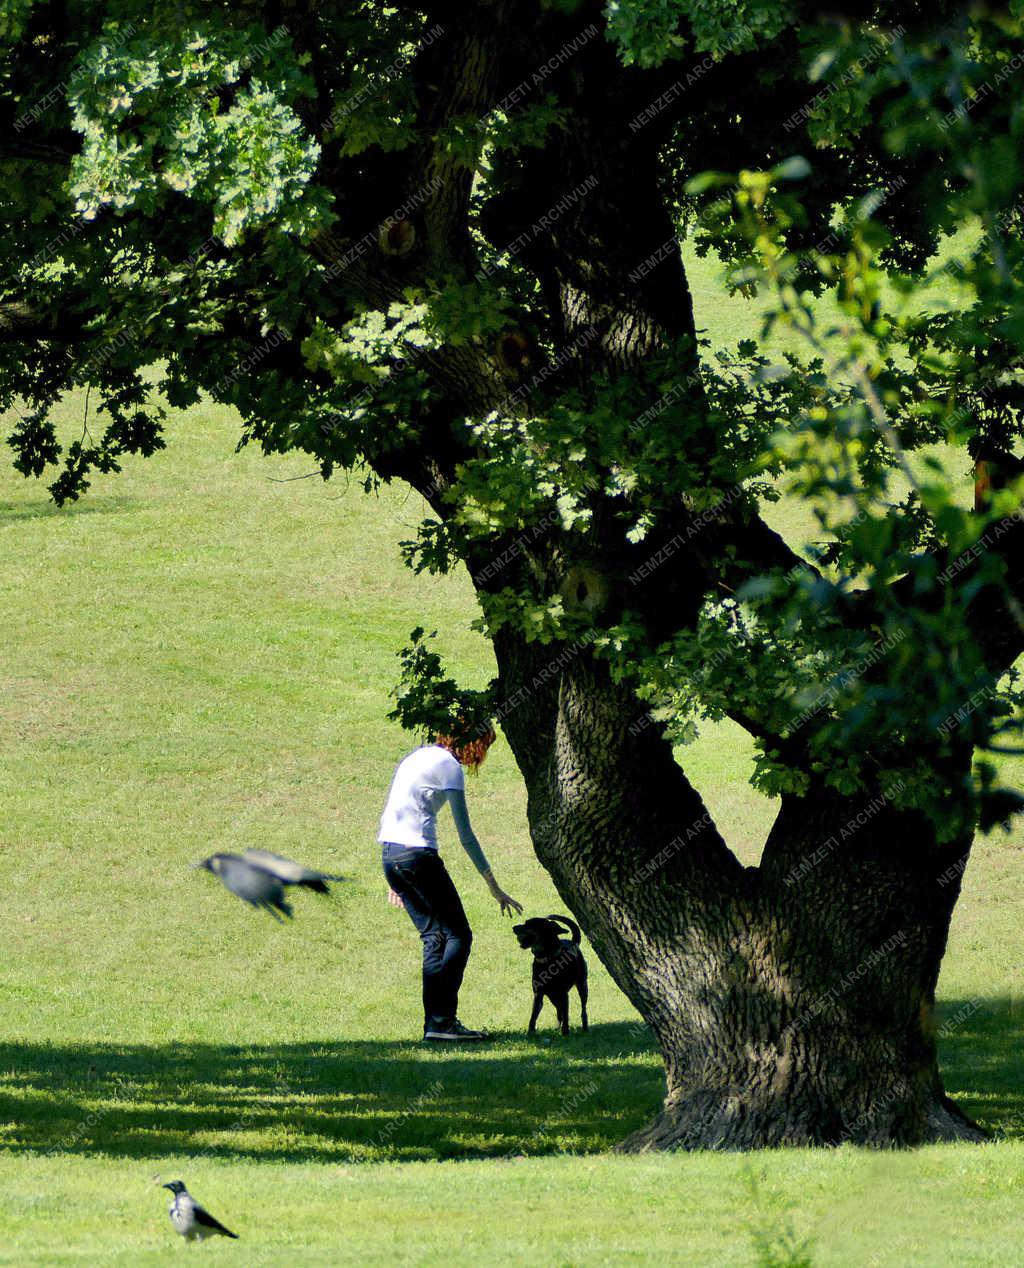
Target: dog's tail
{"points": [[571, 925]]}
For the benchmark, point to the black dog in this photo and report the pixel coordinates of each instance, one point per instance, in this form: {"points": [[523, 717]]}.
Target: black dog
{"points": [[558, 966]]}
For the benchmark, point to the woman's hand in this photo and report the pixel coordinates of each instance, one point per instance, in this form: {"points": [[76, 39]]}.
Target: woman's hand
{"points": [[507, 904], [395, 899]]}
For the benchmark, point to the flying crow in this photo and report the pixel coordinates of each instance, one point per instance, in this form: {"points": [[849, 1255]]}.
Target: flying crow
{"points": [[259, 878], [254, 885]]}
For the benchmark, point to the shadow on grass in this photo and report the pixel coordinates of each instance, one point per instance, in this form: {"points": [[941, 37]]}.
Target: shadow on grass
{"points": [[342, 1101], [981, 1052], [351, 1101], [46, 509]]}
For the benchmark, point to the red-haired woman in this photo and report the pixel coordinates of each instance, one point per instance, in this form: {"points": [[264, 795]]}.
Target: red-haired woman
{"points": [[423, 782]]}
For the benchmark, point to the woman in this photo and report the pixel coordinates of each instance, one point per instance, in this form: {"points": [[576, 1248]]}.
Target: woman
{"points": [[423, 781]]}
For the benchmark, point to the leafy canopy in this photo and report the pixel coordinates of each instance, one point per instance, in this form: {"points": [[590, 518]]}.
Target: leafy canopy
{"points": [[326, 216]]}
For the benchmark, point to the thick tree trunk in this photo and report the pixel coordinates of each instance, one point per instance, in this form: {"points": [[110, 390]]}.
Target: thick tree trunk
{"points": [[792, 1002], [816, 1024]]}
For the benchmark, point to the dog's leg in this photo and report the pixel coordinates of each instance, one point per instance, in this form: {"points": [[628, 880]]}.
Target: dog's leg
{"points": [[563, 1013], [538, 1004], [582, 988]]}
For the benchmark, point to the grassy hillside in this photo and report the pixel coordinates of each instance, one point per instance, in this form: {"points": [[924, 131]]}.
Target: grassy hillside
{"points": [[197, 657]]}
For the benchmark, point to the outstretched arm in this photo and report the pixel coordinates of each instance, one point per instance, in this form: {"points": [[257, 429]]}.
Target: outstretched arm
{"points": [[460, 813]]}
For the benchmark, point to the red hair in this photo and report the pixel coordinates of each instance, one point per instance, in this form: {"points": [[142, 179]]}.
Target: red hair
{"points": [[469, 753]]}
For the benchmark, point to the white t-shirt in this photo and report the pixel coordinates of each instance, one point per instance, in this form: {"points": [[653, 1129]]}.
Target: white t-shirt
{"points": [[419, 789]]}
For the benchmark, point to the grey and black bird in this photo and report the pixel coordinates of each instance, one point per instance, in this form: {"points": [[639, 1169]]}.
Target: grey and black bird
{"points": [[254, 885], [259, 878], [191, 1220]]}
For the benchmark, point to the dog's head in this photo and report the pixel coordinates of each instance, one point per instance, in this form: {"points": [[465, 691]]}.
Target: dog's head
{"points": [[537, 933]]}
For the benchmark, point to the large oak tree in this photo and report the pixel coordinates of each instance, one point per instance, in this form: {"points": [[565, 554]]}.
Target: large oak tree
{"points": [[440, 242]]}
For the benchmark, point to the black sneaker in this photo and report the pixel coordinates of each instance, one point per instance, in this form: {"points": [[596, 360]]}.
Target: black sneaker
{"points": [[452, 1030]]}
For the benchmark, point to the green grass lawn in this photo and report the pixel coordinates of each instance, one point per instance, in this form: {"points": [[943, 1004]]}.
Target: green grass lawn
{"points": [[197, 657]]}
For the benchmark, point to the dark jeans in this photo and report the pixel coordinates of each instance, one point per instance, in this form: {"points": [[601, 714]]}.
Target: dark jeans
{"points": [[434, 907]]}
